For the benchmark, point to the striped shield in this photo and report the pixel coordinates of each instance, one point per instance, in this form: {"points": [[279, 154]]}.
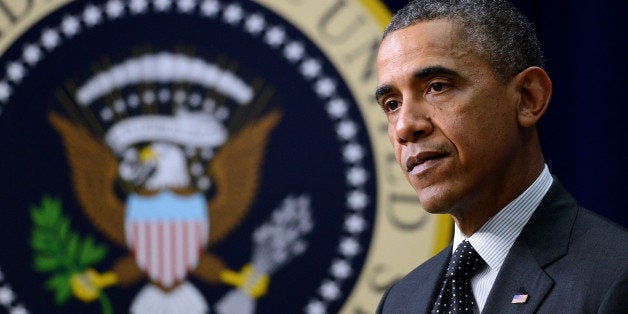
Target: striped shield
{"points": [[165, 237]]}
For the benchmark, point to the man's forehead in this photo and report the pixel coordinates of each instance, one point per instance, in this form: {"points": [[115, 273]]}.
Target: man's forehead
{"points": [[431, 39], [434, 38]]}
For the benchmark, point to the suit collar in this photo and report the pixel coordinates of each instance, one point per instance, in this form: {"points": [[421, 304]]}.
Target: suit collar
{"points": [[542, 241], [432, 277], [436, 277], [549, 230]]}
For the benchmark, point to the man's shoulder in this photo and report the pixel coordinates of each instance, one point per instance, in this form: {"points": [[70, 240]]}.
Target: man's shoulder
{"points": [[593, 273], [588, 221], [594, 249], [560, 221], [596, 233]]}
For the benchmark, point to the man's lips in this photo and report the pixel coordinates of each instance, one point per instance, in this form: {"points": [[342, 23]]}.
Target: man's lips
{"points": [[422, 160]]}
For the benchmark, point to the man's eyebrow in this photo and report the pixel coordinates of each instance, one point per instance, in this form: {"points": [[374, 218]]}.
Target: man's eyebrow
{"points": [[381, 91], [436, 70]]}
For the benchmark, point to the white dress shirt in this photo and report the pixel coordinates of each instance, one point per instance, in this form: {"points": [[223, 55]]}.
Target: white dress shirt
{"points": [[495, 238]]}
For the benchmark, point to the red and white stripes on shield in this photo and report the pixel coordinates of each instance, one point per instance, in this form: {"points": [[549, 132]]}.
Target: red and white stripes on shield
{"points": [[167, 250]]}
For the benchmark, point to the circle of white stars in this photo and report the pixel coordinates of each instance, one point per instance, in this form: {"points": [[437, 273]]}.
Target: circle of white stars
{"points": [[8, 299], [311, 68]]}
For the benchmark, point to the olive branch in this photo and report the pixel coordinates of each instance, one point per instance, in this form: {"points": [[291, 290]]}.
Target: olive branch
{"points": [[62, 252]]}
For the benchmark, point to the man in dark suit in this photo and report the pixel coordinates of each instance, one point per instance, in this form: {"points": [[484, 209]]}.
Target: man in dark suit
{"points": [[462, 85]]}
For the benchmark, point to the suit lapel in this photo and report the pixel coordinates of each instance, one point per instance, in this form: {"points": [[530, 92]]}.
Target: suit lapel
{"points": [[433, 278], [415, 293], [543, 240], [520, 274]]}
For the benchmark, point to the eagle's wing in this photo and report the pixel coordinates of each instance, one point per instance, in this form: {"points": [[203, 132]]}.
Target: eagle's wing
{"points": [[236, 171], [94, 170]]}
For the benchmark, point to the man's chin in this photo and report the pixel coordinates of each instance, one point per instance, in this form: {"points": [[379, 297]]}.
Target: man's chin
{"points": [[435, 210], [435, 204], [433, 200]]}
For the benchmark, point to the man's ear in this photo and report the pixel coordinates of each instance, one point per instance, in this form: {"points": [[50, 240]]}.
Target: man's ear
{"points": [[536, 89]]}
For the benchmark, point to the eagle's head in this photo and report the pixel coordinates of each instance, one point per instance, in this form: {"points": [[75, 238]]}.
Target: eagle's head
{"points": [[158, 166]]}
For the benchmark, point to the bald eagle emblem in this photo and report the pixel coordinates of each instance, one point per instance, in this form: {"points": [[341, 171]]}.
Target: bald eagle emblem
{"points": [[162, 175]]}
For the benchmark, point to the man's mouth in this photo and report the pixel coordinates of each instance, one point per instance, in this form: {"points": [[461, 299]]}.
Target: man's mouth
{"points": [[421, 161]]}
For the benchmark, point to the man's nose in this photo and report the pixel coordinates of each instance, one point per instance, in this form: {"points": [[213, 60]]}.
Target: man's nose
{"points": [[413, 123]]}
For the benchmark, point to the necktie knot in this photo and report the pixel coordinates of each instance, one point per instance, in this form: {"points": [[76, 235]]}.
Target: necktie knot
{"points": [[465, 261]]}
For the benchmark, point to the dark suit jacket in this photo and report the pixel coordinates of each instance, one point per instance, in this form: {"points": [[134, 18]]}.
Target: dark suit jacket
{"points": [[567, 259]]}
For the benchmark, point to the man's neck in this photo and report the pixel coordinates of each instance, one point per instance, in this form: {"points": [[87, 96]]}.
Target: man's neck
{"points": [[470, 219]]}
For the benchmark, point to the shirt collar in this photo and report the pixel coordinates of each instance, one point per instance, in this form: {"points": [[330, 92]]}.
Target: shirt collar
{"points": [[495, 238]]}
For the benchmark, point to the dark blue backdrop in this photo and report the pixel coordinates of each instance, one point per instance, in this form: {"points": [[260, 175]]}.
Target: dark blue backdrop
{"points": [[583, 132]]}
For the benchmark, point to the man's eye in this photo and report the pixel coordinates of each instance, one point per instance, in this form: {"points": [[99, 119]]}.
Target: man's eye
{"points": [[391, 105], [437, 87]]}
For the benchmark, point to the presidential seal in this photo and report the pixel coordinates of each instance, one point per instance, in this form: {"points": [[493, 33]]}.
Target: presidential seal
{"points": [[199, 156]]}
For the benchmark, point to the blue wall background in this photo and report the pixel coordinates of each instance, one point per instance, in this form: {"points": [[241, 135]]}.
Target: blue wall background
{"points": [[584, 131]]}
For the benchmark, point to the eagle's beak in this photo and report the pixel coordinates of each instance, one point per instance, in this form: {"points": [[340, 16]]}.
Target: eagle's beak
{"points": [[145, 167], [147, 154]]}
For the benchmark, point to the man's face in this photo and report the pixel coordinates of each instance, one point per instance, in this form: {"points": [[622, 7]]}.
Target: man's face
{"points": [[452, 124]]}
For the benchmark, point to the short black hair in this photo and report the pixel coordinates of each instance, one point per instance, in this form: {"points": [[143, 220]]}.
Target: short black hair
{"points": [[495, 29]]}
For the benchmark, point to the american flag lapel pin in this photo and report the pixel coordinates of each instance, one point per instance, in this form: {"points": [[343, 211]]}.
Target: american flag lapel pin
{"points": [[520, 297]]}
